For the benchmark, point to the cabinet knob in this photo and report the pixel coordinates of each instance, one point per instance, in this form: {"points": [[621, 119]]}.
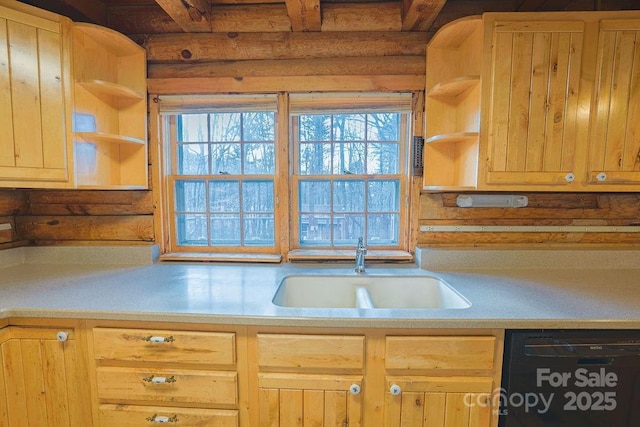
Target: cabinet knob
{"points": [[570, 177], [601, 177], [62, 336], [395, 389], [355, 389], [158, 339]]}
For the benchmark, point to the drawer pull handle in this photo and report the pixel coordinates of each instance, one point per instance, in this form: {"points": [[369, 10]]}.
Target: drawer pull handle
{"points": [[395, 390], [155, 418], [159, 380], [158, 339]]}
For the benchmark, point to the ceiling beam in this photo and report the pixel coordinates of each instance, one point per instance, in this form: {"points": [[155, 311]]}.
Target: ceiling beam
{"points": [[304, 15], [193, 16], [530, 5], [418, 15]]}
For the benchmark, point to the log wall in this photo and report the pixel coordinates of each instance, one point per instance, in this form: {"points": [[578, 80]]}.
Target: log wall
{"points": [[544, 209], [12, 203]]}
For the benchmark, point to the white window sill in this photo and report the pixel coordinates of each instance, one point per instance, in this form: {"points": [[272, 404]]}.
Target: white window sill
{"points": [[221, 257], [381, 255]]}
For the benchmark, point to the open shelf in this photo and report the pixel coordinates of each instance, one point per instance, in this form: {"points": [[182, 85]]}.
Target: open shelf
{"points": [[453, 87], [98, 87], [452, 138], [110, 109], [108, 138]]}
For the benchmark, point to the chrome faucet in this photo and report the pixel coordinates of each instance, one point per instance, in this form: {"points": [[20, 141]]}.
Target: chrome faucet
{"points": [[361, 251]]}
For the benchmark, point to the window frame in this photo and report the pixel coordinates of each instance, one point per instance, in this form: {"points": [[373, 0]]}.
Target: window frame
{"points": [[285, 185], [402, 176]]}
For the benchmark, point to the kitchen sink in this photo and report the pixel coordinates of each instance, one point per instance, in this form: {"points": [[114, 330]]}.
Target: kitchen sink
{"points": [[367, 292]]}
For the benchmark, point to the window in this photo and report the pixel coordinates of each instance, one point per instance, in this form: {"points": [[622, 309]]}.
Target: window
{"points": [[234, 182], [349, 173], [221, 178]]}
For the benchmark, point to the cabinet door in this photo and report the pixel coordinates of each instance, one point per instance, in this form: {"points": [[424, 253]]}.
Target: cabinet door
{"points": [[4, 415], [614, 156], [438, 402], [532, 113], [33, 144], [290, 400], [41, 379]]}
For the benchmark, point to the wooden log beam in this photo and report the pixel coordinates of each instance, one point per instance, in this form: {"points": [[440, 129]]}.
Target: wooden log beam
{"points": [[203, 47], [13, 202], [69, 227], [95, 10], [411, 65], [260, 18], [304, 14], [90, 202], [419, 15], [336, 83], [191, 15]]}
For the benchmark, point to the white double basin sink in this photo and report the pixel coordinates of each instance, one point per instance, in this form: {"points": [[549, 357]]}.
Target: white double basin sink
{"points": [[367, 291]]}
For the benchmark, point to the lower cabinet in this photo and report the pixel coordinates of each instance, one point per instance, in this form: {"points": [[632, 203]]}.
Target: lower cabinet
{"points": [[439, 381], [151, 376], [4, 414], [310, 380], [376, 380], [42, 378]]}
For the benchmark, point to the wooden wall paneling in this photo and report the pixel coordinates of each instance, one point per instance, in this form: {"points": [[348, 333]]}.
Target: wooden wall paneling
{"points": [[544, 209]]}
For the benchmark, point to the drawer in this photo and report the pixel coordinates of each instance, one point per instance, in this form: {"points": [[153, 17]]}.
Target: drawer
{"points": [[164, 346], [135, 416], [310, 351], [167, 385], [446, 352]]}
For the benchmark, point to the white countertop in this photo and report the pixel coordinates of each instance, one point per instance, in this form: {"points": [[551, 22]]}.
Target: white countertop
{"points": [[546, 295]]}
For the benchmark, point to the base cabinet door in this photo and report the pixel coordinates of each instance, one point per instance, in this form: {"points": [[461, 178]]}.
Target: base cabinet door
{"points": [[41, 378], [294, 400], [438, 402]]}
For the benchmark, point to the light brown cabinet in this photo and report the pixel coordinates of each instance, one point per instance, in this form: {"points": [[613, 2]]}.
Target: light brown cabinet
{"points": [[555, 109], [73, 106], [34, 98], [439, 381], [42, 378], [310, 380], [183, 377], [376, 379]]}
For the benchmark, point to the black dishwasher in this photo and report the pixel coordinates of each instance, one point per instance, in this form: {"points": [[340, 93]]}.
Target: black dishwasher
{"points": [[571, 378]]}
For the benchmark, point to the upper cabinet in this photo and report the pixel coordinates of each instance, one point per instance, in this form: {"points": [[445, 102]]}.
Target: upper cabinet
{"points": [[72, 102], [557, 109], [34, 99], [614, 149], [110, 108]]}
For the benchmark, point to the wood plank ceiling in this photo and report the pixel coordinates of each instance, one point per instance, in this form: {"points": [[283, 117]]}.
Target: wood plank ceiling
{"points": [[140, 17]]}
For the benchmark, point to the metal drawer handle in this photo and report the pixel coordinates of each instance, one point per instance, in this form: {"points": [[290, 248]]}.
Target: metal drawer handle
{"points": [[159, 380], [158, 339], [155, 418]]}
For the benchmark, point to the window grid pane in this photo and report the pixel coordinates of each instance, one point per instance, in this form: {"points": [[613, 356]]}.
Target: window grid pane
{"points": [[224, 207]]}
